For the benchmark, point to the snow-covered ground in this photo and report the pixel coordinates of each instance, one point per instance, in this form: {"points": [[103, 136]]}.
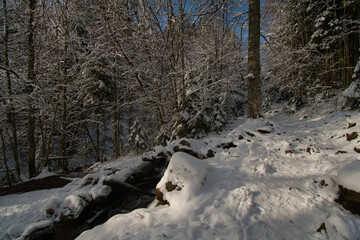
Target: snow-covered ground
{"points": [[276, 183], [21, 213]]}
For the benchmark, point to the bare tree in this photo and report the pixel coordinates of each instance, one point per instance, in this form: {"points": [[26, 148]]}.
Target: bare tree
{"points": [[10, 113], [254, 84], [30, 83]]}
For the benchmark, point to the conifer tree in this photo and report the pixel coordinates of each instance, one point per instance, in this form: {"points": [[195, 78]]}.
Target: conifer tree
{"points": [[137, 138]]}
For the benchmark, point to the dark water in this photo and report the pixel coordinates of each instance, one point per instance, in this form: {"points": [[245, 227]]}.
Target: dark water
{"points": [[121, 200]]}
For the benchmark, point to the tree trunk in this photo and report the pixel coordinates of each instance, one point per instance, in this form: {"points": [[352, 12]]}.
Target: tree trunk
{"points": [[10, 114], [97, 148], [30, 88], [47, 149], [64, 110], [254, 85], [116, 123], [3, 148]]}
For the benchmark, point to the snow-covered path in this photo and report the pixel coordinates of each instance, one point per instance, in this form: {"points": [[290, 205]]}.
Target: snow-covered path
{"points": [[276, 185]]}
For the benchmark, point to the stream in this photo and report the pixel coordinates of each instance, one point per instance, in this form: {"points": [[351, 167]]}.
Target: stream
{"points": [[121, 200]]}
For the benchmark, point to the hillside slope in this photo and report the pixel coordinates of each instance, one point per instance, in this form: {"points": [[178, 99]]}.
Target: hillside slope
{"points": [[271, 178]]}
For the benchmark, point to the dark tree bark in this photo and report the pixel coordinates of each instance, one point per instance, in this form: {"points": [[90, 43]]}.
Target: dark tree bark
{"points": [[64, 107], [3, 148], [29, 89], [10, 113], [254, 85]]}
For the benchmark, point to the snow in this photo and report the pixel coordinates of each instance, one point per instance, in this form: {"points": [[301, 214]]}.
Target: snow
{"points": [[187, 173], [250, 75], [349, 176], [44, 173], [276, 185], [46, 224], [256, 190], [22, 213], [353, 91]]}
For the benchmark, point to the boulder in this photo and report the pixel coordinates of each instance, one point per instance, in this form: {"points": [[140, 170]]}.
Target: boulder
{"points": [[182, 180], [348, 179], [349, 199]]}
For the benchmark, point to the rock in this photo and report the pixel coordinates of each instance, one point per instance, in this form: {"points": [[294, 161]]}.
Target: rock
{"points": [[250, 134], [227, 145], [349, 199], [185, 150], [349, 189], [357, 149], [185, 143], [263, 131], [351, 136], [72, 207], [159, 196], [210, 153], [171, 187], [321, 228], [49, 212], [340, 151], [159, 154], [185, 174], [289, 151], [350, 125], [240, 137]]}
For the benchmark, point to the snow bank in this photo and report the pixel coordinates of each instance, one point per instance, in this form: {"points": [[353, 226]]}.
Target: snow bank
{"points": [[353, 91], [73, 206], [349, 176], [20, 214], [341, 226], [37, 229], [186, 174]]}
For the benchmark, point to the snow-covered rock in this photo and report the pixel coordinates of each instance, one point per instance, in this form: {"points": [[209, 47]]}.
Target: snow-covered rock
{"points": [[348, 179], [183, 179], [349, 176], [352, 94], [38, 230]]}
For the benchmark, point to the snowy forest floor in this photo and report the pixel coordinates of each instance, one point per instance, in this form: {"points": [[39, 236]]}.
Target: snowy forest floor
{"points": [[277, 180]]}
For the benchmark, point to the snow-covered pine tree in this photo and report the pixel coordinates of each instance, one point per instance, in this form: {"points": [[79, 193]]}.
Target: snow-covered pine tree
{"points": [[309, 47], [137, 138], [95, 97]]}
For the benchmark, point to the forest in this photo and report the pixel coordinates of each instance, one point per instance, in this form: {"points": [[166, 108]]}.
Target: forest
{"points": [[85, 81]]}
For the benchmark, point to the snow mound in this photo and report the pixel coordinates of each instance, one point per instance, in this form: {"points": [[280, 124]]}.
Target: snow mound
{"points": [[35, 230], [349, 176], [186, 174], [353, 91], [339, 226]]}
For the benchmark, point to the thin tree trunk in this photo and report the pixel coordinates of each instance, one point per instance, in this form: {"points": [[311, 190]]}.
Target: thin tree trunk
{"points": [[97, 147], [47, 149], [254, 86], [3, 148], [182, 54], [64, 110], [116, 123], [130, 117], [30, 88]]}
